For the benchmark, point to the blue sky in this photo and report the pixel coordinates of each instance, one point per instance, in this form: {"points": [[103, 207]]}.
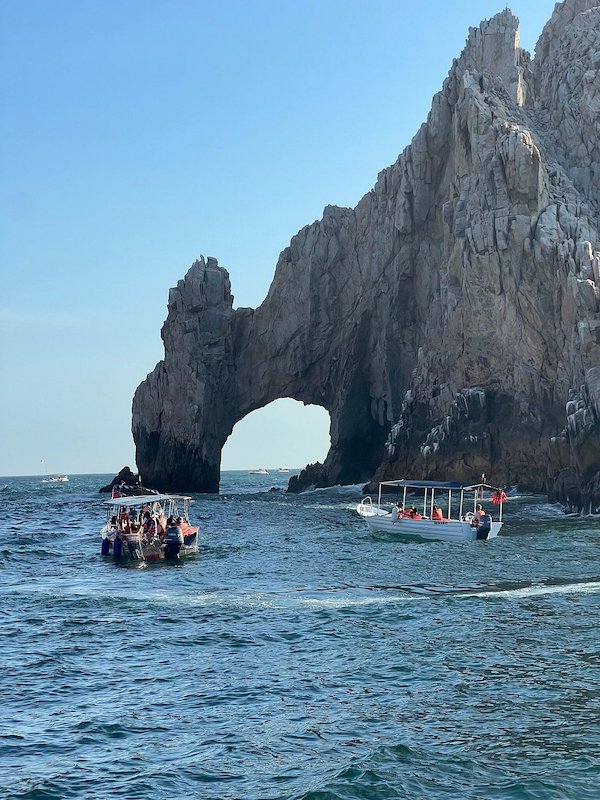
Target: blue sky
{"points": [[137, 135]]}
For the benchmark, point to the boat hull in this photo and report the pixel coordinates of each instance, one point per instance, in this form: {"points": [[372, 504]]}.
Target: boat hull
{"points": [[424, 530], [133, 549]]}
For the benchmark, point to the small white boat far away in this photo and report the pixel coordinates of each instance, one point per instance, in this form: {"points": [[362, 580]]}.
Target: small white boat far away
{"points": [[423, 518], [260, 471], [56, 479]]}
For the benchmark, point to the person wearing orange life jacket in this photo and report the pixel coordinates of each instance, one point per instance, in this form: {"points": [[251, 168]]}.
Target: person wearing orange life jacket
{"points": [[436, 513], [484, 524]]}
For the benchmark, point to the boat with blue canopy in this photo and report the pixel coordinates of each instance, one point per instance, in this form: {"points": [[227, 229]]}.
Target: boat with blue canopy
{"points": [[434, 510]]}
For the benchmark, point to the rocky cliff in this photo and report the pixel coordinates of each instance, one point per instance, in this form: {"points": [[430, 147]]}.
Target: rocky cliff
{"points": [[449, 323]]}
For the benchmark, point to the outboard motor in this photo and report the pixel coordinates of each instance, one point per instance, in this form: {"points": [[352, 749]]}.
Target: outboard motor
{"points": [[174, 542], [135, 550], [105, 546], [485, 526], [117, 547]]}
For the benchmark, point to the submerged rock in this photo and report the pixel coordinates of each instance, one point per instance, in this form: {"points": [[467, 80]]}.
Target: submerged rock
{"points": [[444, 322]]}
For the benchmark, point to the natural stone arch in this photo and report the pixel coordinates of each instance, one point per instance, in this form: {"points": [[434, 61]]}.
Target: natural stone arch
{"points": [[221, 365], [456, 308]]}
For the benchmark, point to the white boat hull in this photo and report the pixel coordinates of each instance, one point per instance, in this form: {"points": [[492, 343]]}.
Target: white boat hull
{"points": [[422, 529]]}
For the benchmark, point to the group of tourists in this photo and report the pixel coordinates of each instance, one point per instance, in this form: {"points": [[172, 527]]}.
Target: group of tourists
{"points": [[149, 528], [133, 523], [399, 512], [479, 516]]}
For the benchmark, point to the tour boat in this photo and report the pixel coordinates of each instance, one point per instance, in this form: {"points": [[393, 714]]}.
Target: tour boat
{"points": [[56, 479], [149, 527], [419, 507]]}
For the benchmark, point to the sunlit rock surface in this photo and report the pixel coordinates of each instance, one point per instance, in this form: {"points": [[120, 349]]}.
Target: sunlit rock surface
{"points": [[449, 321]]}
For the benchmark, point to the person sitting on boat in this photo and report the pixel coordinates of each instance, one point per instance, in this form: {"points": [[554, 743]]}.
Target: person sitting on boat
{"points": [[414, 514], [479, 512], [114, 526], [124, 522], [436, 513], [397, 511], [189, 533], [149, 526]]}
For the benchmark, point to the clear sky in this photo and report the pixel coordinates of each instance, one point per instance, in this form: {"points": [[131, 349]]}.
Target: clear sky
{"points": [[137, 135]]}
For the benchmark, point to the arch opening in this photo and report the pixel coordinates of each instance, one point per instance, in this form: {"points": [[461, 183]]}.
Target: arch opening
{"points": [[283, 434]]}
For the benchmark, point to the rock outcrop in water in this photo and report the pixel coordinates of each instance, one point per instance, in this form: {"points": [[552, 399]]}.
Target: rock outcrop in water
{"points": [[449, 323]]}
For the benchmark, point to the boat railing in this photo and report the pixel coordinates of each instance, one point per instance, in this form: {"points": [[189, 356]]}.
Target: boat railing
{"points": [[365, 507]]}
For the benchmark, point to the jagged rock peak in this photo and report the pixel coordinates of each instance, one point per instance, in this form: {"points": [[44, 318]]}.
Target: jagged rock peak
{"points": [[493, 47]]}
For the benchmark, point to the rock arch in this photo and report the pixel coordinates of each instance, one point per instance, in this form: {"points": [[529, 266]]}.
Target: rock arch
{"points": [[450, 323], [222, 364]]}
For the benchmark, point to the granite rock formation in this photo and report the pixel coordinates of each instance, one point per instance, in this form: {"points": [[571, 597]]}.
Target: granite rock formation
{"points": [[124, 475], [449, 323]]}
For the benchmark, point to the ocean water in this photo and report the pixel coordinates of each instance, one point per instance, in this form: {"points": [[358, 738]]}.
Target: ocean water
{"points": [[297, 656]]}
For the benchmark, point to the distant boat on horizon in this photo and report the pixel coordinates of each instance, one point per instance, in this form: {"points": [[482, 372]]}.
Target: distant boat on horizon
{"points": [[260, 471], [283, 469], [56, 479]]}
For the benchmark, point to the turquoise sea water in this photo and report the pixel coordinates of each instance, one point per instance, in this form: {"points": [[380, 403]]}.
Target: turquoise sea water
{"points": [[298, 656]]}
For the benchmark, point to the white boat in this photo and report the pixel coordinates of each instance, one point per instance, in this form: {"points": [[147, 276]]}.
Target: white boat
{"points": [[283, 469], [56, 479], [424, 519], [258, 472], [149, 527]]}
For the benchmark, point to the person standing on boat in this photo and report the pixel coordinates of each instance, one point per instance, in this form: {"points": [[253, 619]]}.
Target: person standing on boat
{"points": [[484, 523], [397, 511]]}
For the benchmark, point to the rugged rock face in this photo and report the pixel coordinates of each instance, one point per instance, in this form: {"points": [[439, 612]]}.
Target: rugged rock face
{"points": [[448, 320]]}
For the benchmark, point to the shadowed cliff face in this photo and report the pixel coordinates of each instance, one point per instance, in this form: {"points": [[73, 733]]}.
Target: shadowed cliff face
{"points": [[444, 323]]}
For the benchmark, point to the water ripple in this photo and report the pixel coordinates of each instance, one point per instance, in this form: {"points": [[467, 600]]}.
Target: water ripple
{"points": [[298, 657]]}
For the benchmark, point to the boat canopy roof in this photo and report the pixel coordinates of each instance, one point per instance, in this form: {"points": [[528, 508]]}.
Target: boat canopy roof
{"points": [[428, 484], [144, 499], [444, 485]]}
